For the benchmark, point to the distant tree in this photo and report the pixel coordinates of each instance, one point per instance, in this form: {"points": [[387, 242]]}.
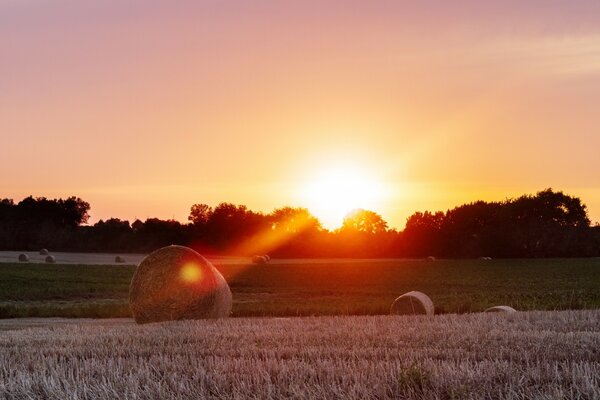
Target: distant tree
{"points": [[293, 220], [422, 234], [365, 221], [229, 224], [200, 214], [547, 224], [75, 211], [137, 225]]}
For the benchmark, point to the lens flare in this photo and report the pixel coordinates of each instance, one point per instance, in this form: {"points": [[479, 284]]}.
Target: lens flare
{"points": [[191, 273]]}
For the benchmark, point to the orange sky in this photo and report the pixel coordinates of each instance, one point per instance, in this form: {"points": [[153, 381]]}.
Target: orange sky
{"points": [[143, 108]]}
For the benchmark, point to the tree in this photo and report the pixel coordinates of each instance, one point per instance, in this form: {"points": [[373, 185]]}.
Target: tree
{"points": [[422, 234], [75, 211], [200, 214], [365, 221], [293, 220]]}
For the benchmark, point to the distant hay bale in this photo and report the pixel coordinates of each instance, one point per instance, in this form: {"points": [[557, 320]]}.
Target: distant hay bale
{"points": [[44, 252], [259, 259], [268, 257], [50, 260], [119, 259], [430, 258], [23, 257], [175, 283], [501, 309], [485, 258], [412, 303]]}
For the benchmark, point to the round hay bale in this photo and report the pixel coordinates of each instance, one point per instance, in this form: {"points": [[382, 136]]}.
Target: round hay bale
{"points": [[501, 309], [23, 257], [259, 259], [267, 257], [175, 283], [50, 260], [119, 259], [44, 252], [430, 258], [412, 303], [485, 258]]}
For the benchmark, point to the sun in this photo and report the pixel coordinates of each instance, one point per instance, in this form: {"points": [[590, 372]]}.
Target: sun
{"points": [[337, 190]]}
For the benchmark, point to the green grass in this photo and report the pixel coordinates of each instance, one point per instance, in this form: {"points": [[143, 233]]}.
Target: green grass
{"points": [[314, 288]]}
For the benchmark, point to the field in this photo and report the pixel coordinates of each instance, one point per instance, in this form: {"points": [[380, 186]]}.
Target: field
{"points": [[552, 355], [317, 287]]}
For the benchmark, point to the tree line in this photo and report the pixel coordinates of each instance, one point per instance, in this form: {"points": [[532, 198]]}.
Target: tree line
{"points": [[547, 224]]}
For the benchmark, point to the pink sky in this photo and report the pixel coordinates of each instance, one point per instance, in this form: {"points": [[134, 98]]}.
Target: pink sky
{"points": [[143, 108]]}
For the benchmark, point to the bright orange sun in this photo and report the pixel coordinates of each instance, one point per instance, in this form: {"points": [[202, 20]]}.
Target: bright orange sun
{"points": [[335, 191]]}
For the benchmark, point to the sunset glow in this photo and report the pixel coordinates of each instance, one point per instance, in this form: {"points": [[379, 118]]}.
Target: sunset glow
{"points": [[145, 108], [338, 190]]}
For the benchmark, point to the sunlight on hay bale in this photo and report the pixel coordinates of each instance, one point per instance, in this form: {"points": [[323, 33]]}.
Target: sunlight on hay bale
{"points": [[501, 309], [412, 303], [119, 259], [175, 283], [23, 258], [50, 260], [44, 252], [259, 259]]}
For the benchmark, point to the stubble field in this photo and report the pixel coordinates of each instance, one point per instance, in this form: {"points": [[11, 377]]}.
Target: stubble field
{"points": [[549, 355]]}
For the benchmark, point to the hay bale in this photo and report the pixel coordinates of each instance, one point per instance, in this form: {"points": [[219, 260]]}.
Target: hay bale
{"points": [[430, 258], [485, 258], [259, 259], [501, 309], [175, 283], [412, 303], [50, 260], [44, 252], [23, 257], [119, 259], [267, 257]]}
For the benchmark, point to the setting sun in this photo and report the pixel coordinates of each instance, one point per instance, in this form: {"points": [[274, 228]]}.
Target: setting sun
{"points": [[335, 191]]}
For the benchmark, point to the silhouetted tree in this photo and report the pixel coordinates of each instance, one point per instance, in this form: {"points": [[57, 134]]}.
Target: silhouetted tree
{"points": [[294, 220], [547, 224], [422, 234], [200, 214], [366, 221]]}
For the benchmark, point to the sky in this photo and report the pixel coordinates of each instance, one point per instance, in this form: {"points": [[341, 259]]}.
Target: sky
{"points": [[143, 108]]}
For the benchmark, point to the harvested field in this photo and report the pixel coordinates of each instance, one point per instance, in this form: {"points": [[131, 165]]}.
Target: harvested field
{"points": [[485, 355]]}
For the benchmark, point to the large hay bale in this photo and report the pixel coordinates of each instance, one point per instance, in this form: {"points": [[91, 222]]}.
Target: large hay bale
{"points": [[412, 303], [259, 259], [501, 309], [175, 283], [50, 260], [23, 257], [119, 259], [44, 252]]}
